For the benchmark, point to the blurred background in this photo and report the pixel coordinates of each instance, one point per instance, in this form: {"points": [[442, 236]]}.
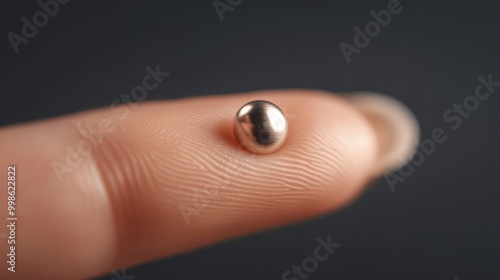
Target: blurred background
{"points": [[441, 222]]}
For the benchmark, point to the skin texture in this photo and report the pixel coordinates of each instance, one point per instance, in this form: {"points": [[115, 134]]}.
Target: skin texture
{"points": [[169, 177]]}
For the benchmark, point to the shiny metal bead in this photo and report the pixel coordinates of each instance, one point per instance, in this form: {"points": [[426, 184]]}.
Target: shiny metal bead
{"points": [[260, 127]]}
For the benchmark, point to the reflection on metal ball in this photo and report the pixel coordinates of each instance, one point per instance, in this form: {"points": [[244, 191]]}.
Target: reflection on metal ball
{"points": [[260, 127]]}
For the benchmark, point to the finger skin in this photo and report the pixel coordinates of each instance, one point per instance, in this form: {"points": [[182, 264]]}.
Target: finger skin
{"points": [[168, 177]]}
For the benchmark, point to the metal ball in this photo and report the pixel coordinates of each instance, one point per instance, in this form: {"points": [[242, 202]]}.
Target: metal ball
{"points": [[260, 127]]}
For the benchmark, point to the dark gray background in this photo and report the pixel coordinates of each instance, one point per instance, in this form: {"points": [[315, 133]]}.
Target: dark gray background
{"points": [[442, 222]]}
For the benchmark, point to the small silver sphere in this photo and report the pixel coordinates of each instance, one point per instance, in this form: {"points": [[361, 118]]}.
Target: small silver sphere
{"points": [[260, 127]]}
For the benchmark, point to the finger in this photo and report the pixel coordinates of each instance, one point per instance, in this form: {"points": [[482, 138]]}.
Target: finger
{"points": [[119, 186], [395, 126]]}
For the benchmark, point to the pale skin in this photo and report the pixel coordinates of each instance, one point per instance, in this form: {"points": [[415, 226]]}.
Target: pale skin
{"points": [[136, 196]]}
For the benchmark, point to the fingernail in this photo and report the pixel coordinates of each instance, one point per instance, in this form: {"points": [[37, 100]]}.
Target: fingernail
{"points": [[395, 125]]}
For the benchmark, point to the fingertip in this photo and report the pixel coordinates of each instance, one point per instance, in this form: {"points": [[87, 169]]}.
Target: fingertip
{"points": [[395, 125]]}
